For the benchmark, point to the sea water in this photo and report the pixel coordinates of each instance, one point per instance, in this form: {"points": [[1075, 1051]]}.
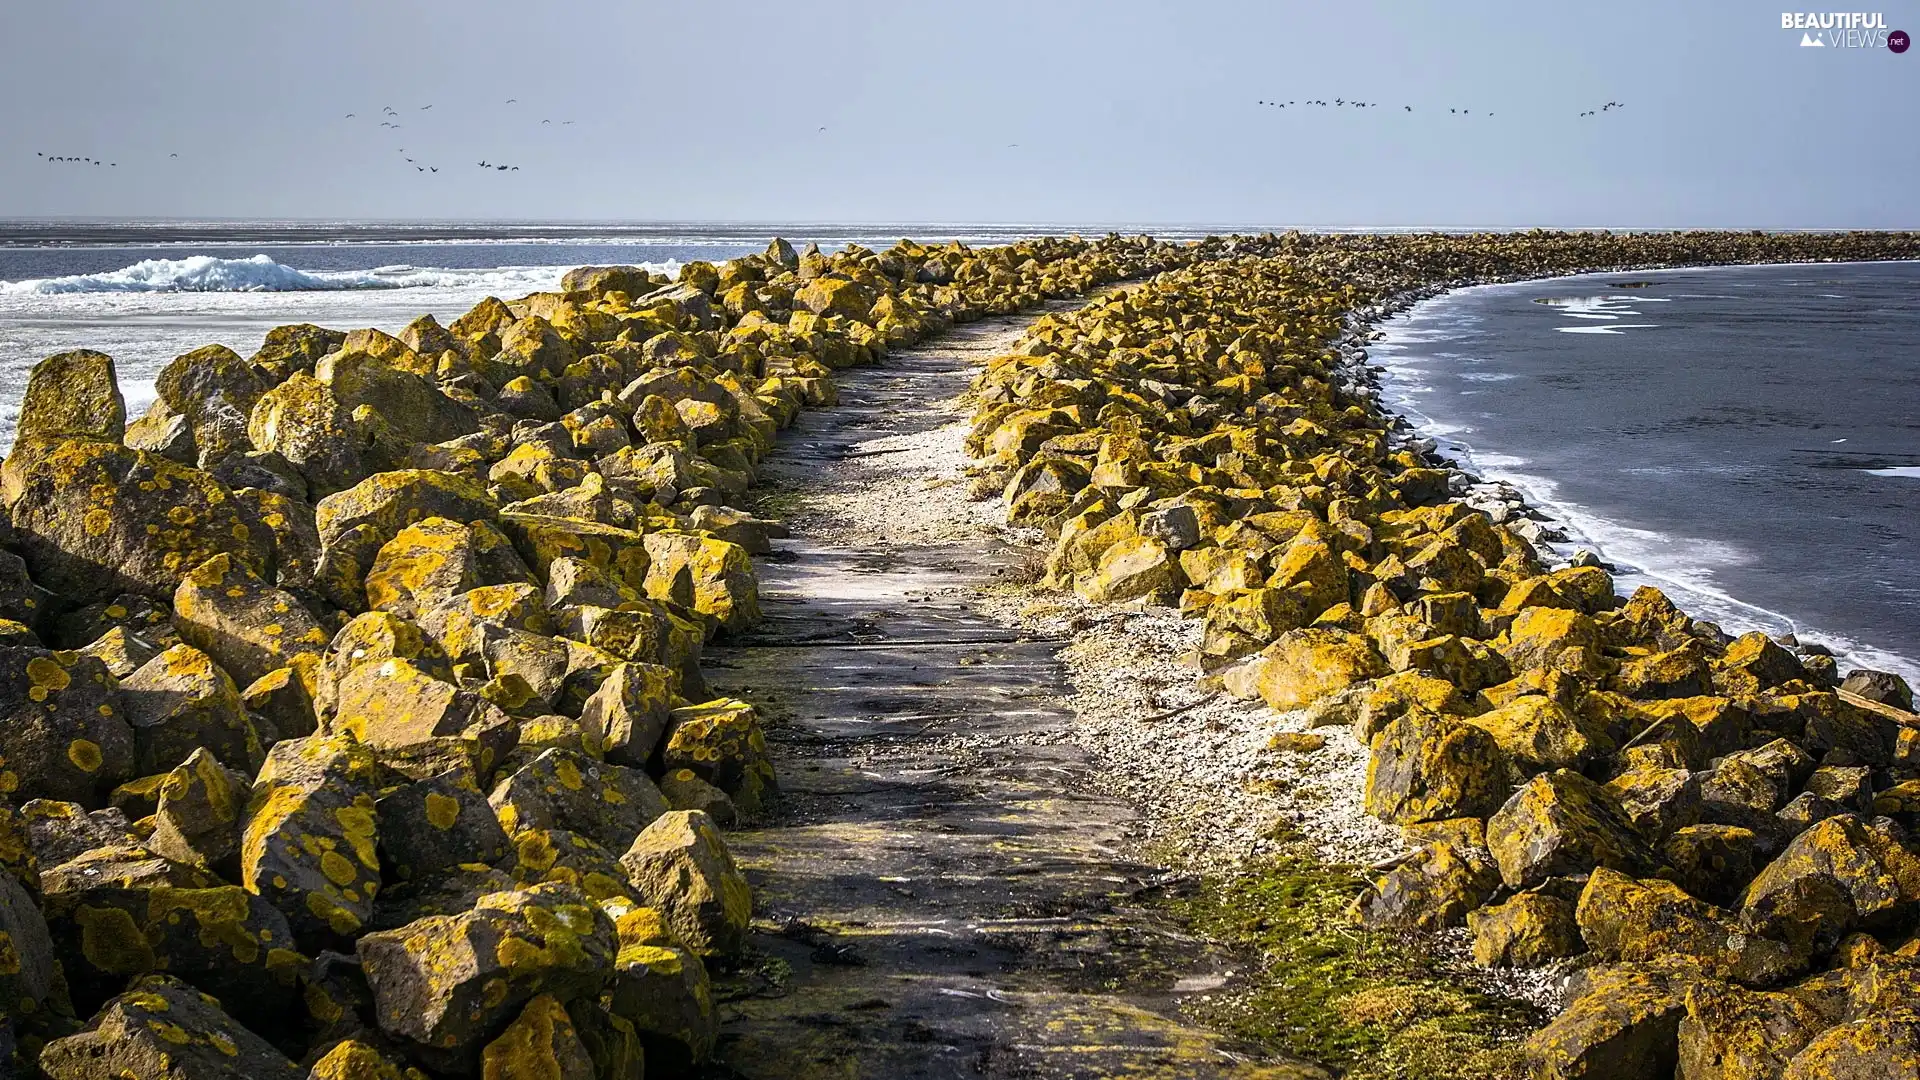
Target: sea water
{"points": [[1745, 438]]}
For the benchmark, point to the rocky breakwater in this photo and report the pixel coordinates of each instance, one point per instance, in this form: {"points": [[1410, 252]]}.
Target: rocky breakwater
{"points": [[1713, 835], [352, 721]]}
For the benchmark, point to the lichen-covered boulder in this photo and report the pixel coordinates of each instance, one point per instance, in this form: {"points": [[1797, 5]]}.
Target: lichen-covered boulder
{"points": [[1623, 919], [681, 866], [391, 501], [1430, 767], [541, 1042], [301, 421], [447, 981], [704, 575], [27, 976], [1538, 735], [249, 627], [197, 818], [1553, 638], [96, 519], [1303, 666], [120, 910], [1561, 824], [1837, 874], [564, 789], [310, 841], [662, 988], [1732, 1033], [63, 733], [434, 825], [396, 703], [630, 711], [355, 1059], [1530, 930], [294, 348], [425, 564], [1625, 1024], [179, 702], [722, 742], [412, 406], [72, 395], [1433, 889], [1138, 567], [164, 1029], [1873, 1048]]}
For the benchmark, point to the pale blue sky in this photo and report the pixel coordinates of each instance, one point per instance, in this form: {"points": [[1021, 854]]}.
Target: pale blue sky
{"points": [[1123, 110]]}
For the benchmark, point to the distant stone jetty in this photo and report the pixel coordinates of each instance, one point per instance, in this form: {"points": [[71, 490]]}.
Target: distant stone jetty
{"points": [[354, 722]]}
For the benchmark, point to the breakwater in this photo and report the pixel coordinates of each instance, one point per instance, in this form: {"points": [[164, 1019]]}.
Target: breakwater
{"points": [[1711, 833], [355, 718]]}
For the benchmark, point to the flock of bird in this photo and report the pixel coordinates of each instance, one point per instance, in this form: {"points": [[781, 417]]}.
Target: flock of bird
{"points": [[1342, 103], [390, 120], [52, 160]]}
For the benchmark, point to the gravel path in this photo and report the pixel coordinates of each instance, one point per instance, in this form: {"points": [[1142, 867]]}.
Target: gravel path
{"points": [[954, 883]]}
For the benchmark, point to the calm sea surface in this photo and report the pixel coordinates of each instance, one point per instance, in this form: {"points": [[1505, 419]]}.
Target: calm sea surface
{"points": [[1746, 438]]}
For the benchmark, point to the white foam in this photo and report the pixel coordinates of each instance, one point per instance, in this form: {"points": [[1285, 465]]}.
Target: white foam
{"points": [[1614, 329], [1910, 471], [208, 273]]}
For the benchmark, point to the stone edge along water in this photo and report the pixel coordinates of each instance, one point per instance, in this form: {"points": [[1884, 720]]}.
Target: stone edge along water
{"points": [[354, 722], [1712, 833]]}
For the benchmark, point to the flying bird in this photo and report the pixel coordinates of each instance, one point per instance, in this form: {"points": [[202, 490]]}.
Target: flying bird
{"points": [[173, 155], [513, 101], [351, 115], [424, 108], [433, 168]]}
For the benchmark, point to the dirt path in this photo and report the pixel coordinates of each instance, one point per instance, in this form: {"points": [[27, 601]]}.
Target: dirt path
{"points": [[944, 892]]}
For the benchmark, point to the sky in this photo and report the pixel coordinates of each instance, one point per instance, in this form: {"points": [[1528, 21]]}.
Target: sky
{"points": [[1122, 111]]}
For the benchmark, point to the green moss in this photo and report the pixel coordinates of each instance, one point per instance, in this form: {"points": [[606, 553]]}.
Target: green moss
{"points": [[1372, 1005]]}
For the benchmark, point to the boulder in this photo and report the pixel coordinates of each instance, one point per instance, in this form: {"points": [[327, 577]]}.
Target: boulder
{"points": [[397, 703], [96, 519], [1625, 1024], [1430, 767], [721, 742], [1539, 735], [711, 577], [1530, 930], [1874, 1048], [179, 702], [1303, 666], [448, 981], [248, 627], [1732, 1033], [662, 988], [680, 866], [310, 840], [197, 818], [432, 826], [28, 977], [1561, 824], [324, 440], [540, 1042], [1881, 686], [1553, 638], [63, 731], [630, 712], [564, 789], [1433, 889], [391, 501], [1840, 873], [164, 1029], [71, 395], [1623, 919]]}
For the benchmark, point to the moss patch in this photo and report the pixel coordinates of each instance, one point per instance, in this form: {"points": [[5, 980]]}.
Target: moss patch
{"points": [[1368, 1004]]}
